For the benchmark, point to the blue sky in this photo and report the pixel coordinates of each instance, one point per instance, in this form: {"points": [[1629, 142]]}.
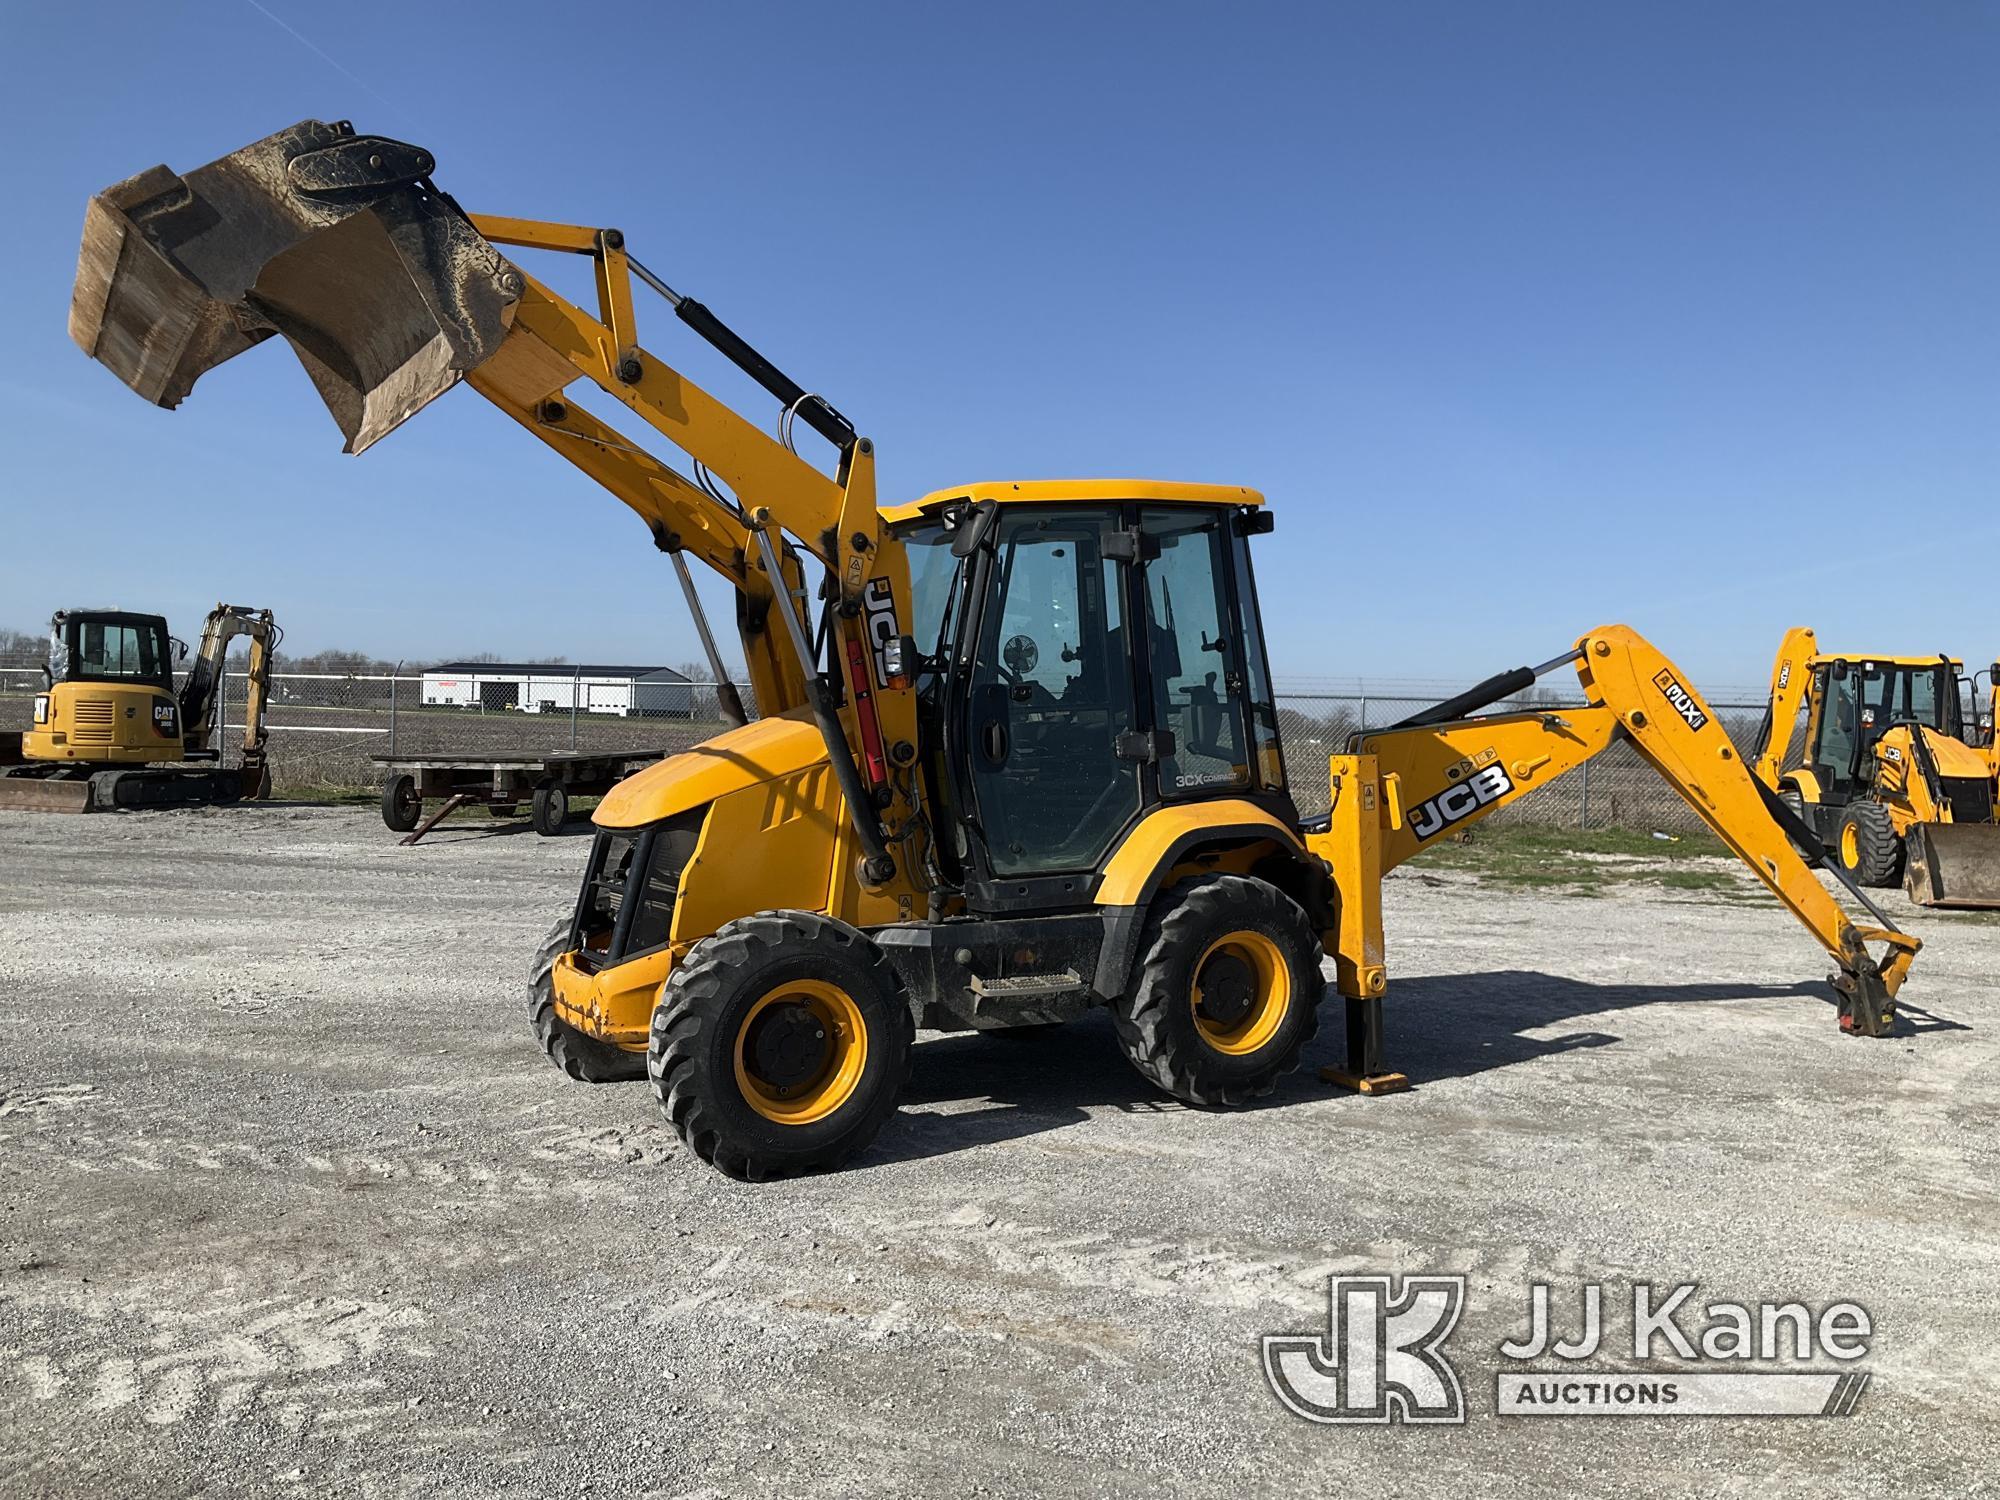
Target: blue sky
{"points": [[1527, 317]]}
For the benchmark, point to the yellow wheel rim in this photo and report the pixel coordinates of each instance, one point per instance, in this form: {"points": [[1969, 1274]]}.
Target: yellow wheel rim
{"points": [[1241, 992], [1850, 846], [800, 1051]]}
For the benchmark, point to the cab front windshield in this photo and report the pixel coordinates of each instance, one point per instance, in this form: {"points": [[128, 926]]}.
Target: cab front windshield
{"points": [[104, 650]]}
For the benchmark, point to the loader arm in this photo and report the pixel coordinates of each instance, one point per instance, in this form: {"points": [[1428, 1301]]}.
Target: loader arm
{"points": [[1791, 682], [1401, 789], [200, 694], [390, 294]]}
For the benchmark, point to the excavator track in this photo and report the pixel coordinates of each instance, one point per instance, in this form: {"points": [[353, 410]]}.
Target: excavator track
{"points": [[139, 789]]}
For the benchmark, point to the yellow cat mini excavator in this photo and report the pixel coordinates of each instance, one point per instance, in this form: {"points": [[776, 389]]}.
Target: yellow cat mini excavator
{"points": [[1897, 775], [1018, 754], [111, 717]]}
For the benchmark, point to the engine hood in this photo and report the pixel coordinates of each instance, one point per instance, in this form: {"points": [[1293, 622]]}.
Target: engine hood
{"points": [[737, 758]]}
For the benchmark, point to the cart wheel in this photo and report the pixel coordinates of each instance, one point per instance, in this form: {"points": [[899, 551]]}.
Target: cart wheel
{"points": [[551, 808], [401, 806]]}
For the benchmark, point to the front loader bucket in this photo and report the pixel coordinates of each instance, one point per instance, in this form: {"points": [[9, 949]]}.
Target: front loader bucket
{"points": [[384, 290], [1952, 864]]}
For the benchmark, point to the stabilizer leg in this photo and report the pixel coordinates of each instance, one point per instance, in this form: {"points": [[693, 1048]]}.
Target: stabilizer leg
{"points": [[1364, 1072]]}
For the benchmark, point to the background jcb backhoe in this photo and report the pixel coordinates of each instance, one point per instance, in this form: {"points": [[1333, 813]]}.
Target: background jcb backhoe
{"points": [[112, 722], [1018, 754], [1898, 774]]}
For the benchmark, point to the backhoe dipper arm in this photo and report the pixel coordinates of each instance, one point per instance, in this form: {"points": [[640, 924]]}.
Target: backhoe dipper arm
{"points": [[1398, 791], [1791, 680], [200, 692]]}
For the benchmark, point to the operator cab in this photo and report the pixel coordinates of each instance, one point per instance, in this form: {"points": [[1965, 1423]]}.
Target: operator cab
{"points": [[111, 646], [1857, 699], [1091, 651]]}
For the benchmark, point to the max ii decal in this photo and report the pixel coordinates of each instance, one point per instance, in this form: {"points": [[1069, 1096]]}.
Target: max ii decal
{"points": [[1685, 703], [1456, 803]]}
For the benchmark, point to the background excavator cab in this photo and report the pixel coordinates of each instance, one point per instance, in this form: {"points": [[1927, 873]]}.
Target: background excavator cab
{"points": [[111, 692]]}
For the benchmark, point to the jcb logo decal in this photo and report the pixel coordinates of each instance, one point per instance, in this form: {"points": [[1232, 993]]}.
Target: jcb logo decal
{"points": [[878, 600], [1685, 704], [1457, 803]]}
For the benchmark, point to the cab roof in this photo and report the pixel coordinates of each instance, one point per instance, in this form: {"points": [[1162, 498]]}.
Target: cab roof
{"points": [[1877, 658], [1077, 492]]}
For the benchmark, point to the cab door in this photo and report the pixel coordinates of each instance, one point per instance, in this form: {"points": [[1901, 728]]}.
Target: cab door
{"points": [[1050, 694]]}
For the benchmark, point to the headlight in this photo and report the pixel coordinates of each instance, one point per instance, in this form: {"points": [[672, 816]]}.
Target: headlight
{"points": [[41, 708]]}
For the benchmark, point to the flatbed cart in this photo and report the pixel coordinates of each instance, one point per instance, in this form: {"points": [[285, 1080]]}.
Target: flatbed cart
{"points": [[501, 780]]}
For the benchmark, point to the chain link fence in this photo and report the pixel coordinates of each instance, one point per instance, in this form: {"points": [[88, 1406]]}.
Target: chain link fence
{"points": [[327, 729]]}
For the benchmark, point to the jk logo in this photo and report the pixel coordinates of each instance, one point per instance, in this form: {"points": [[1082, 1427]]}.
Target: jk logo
{"points": [[1381, 1358]]}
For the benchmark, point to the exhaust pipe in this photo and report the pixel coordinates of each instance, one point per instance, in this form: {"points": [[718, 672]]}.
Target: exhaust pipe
{"points": [[334, 240]]}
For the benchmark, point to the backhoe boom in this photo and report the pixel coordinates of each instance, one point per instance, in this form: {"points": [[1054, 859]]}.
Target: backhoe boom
{"points": [[1403, 789]]}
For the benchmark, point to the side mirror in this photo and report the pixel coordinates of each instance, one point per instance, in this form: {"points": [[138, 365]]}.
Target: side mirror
{"points": [[1840, 671], [974, 529], [180, 647]]}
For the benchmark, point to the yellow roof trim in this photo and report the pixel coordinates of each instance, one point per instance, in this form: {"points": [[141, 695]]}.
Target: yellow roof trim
{"points": [[1882, 660], [1078, 492]]}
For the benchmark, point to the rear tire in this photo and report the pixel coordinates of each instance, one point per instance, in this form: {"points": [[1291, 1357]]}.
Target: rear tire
{"points": [[780, 1044], [401, 806], [1227, 992], [1868, 848], [551, 809], [584, 1058], [1795, 803]]}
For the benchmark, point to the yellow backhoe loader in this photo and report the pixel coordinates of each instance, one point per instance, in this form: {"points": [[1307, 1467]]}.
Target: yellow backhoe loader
{"points": [[111, 724], [1018, 754], [1897, 774]]}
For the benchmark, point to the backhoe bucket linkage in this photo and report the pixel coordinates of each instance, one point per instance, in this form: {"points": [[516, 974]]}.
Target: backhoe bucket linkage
{"points": [[337, 241]]}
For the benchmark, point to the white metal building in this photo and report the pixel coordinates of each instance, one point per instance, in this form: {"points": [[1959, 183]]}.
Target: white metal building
{"points": [[551, 688]]}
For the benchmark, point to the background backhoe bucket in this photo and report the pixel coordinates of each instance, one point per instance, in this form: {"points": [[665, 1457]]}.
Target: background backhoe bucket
{"points": [[1953, 864], [336, 241]]}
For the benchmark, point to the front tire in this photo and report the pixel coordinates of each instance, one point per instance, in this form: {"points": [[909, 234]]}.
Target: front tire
{"points": [[584, 1058], [1227, 992], [1868, 847], [779, 1044]]}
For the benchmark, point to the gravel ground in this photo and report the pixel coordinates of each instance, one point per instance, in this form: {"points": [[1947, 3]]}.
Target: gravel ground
{"points": [[293, 1205]]}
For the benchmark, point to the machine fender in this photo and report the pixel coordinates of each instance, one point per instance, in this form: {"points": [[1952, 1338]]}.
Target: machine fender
{"points": [[1168, 835], [1169, 838], [1807, 784]]}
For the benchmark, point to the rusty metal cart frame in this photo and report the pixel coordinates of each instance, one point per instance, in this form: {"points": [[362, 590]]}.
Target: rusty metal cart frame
{"points": [[501, 780]]}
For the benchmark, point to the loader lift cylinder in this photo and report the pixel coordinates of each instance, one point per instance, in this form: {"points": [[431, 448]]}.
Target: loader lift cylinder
{"points": [[877, 866]]}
